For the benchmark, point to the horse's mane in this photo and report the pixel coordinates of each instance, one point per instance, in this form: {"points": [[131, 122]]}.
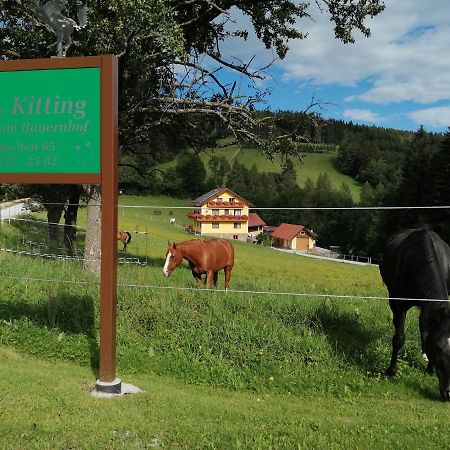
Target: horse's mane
{"points": [[193, 242], [418, 266], [189, 243]]}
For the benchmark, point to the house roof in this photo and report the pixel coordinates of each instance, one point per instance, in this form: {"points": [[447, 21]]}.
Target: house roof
{"points": [[255, 221], [288, 231], [215, 193]]}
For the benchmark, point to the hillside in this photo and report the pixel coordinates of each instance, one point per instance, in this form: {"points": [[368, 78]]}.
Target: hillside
{"points": [[347, 153], [311, 167]]}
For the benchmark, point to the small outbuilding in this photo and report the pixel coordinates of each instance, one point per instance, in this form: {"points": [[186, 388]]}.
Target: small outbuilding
{"points": [[255, 225], [294, 237]]}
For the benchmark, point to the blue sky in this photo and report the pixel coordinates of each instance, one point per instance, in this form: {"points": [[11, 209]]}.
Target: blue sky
{"points": [[399, 77]]}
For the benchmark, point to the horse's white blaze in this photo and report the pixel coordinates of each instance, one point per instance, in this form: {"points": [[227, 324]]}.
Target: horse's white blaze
{"points": [[166, 265]]}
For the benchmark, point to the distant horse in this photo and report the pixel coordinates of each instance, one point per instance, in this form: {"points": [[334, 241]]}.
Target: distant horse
{"points": [[416, 267], [124, 237], [204, 257]]}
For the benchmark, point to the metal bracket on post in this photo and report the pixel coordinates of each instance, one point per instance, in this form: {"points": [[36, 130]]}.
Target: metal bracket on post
{"points": [[109, 387]]}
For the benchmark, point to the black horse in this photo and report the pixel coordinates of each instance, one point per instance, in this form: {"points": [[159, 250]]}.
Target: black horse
{"points": [[416, 270]]}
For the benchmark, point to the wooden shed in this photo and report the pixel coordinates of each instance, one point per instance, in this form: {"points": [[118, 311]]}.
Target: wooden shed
{"points": [[294, 237]]}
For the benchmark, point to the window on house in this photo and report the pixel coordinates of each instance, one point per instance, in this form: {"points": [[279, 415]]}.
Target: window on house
{"points": [[237, 212], [215, 225], [302, 233], [235, 236], [215, 212], [226, 212], [219, 199], [232, 199], [237, 225]]}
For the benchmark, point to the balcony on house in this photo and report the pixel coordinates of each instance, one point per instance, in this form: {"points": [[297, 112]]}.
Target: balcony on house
{"points": [[225, 205], [217, 217]]}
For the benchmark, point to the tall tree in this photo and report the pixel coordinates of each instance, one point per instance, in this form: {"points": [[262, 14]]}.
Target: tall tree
{"points": [[191, 174], [240, 179], [415, 188], [172, 57], [219, 168], [172, 71], [440, 187]]}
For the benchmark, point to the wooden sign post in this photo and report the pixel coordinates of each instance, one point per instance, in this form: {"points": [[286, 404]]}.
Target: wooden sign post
{"points": [[59, 125]]}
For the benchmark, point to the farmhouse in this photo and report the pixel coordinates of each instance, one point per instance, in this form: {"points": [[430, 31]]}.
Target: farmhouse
{"points": [[294, 237], [221, 213]]}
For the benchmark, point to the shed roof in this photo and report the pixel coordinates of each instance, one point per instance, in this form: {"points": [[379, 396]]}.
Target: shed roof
{"points": [[255, 221]]}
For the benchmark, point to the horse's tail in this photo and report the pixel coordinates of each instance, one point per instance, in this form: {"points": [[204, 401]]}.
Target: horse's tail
{"points": [[128, 239]]}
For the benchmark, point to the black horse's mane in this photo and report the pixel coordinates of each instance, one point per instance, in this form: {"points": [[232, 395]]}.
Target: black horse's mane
{"points": [[418, 268]]}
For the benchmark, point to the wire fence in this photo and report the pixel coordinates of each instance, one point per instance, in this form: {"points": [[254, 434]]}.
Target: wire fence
{"points": [[11, 217], [262, 208], [225, 291], [33, 238]]}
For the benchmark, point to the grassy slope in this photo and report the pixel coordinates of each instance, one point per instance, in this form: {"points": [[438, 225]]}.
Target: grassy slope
{"points": [[48, 406], [220, 370], [313, 165]]}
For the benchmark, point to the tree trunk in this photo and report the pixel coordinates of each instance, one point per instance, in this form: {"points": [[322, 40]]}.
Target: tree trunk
{"points": [[54, 213], [70, 221], [92, 249]]}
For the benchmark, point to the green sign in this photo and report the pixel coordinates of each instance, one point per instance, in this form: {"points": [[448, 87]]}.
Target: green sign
{"points": [[50, 121]]}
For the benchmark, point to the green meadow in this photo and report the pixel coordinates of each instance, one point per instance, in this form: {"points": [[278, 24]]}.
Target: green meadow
{"points": [[276, 362], [312, 165]]}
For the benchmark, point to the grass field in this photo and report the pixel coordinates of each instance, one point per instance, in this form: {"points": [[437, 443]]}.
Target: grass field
{"points": [[49, 406], [312, 166], [261, 369]]}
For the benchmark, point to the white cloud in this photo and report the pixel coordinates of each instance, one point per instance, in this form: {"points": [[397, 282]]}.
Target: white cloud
{"points": [[252, 51], [404, 60], [434, 117], [406, 57], [364, 115]]}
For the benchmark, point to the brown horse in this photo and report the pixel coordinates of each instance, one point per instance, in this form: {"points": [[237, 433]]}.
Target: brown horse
{"points": [[124, 237], [204, 257]]}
